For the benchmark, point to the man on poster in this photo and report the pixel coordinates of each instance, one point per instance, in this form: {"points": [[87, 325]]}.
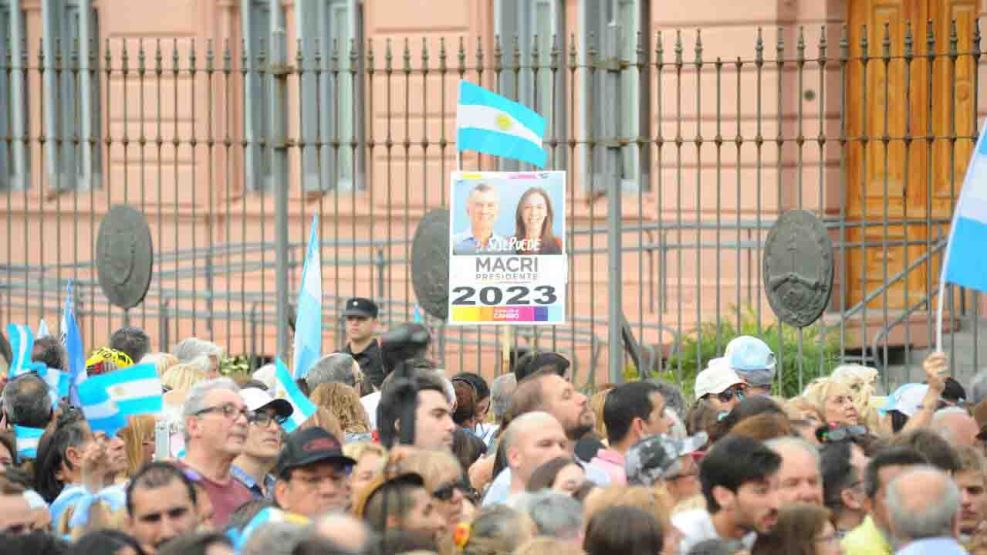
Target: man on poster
{"points": [[482, 208]]}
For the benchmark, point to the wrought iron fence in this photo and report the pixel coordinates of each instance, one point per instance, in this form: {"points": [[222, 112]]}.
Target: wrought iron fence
{"points": [[230, 149]]}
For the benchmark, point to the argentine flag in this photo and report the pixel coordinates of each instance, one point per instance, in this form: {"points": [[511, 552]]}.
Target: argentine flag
{"points": [[135, 390], [58, 382], [72, 339], [101, 412], [27, 440], [285, 388], [21, 342], [308, 322], [965, 262], [492, 124]]}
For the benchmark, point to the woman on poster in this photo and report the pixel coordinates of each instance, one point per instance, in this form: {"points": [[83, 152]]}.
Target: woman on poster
{"points": [[533, 224]]}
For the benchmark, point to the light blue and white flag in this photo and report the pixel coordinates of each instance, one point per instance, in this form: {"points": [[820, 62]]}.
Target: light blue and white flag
{"points": [[42, 329], [493, 124], [285, 388], [21, 342], [101, 412], [308, 322], [72, 339], [135, 390], [58, 382], [965, 262], [27, 440]]}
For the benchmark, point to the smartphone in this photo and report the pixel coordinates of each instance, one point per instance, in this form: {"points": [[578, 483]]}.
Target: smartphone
{"points": [[162, 440]]}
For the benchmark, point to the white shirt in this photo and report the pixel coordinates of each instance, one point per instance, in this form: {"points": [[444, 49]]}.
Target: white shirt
{"points": [[370, 402], [697, 526]]}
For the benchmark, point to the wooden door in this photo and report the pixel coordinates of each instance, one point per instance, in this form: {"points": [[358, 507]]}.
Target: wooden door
{"points": [[894, 173]]}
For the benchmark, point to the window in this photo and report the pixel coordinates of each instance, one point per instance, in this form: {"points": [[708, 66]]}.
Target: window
{"points": [[522, 25], [13, 101], [72, 94], [332, 130], [620, 20], [261, 18]]}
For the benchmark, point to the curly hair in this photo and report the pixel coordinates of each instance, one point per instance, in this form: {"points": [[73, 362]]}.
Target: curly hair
{"points": [[343, 402]]}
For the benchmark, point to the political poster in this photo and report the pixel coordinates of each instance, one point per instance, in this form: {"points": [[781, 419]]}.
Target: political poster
{"points": [[507, 262]]}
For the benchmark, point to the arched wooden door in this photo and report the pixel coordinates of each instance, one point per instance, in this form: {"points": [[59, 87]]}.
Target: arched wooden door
{"points": [[895, 173]]}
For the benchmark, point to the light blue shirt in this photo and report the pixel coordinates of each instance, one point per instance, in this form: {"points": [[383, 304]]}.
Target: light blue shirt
{"points": [[933, 546], [465, 243], [500, 488]]}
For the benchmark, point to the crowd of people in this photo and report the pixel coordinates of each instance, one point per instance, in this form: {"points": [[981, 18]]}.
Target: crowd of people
{"points": [[403, 458]]}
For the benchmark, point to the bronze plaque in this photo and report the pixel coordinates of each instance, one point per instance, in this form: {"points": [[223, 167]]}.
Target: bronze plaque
{"points": [[798, 268], [430, 263], [124, 256]]}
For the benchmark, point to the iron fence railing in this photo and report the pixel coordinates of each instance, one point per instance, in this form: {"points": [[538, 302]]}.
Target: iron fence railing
{"points": [[678, 165]]}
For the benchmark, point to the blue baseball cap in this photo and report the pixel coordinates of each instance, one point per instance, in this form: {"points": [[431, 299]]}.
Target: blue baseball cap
{"points": [[747, 354]]}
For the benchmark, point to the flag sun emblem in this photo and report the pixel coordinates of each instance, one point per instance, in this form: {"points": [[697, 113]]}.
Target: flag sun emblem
{"points": [[503, 122]]}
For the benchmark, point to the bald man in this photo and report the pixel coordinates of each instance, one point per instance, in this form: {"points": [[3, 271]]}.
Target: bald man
{"points": [[956, 425], [923, 509], [531, 440]]}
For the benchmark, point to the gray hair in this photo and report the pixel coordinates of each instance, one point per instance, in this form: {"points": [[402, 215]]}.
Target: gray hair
{"points": [[978, 387], [672, 394], [928, 515], [335, 367], [26, 402], [939, 425], [781, 442], [274, 538], [554, 514], [195, 400], [197, 352], [501, 391]]}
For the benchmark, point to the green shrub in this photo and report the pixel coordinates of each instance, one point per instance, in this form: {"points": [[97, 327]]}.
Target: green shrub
{"points": [[818, 357], [234, 365]]}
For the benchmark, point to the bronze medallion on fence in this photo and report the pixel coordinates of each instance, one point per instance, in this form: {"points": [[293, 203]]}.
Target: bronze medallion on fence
{"points": [[430, 263], [798, 268], [124, 256]]}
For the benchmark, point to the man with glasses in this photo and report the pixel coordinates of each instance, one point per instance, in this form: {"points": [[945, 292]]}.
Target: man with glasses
{"points": [[216, 422], [313, 474], [720, 386], [252, 467], [843, 464]]}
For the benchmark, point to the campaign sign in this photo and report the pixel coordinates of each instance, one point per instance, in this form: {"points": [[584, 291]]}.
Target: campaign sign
{"points": [[507, 263]]}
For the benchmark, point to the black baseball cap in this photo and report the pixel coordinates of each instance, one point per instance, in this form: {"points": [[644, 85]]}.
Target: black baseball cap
{"points": [[310, 446], [360, 306]]}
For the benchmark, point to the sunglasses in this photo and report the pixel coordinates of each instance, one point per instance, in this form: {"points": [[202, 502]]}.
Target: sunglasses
{"points": [[446, 490], [728, 395], [264, 418], [833, 435]]}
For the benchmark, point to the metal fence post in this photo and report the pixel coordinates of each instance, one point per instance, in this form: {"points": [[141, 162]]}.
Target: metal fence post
{"points": [[611, 172], [279, 165]]}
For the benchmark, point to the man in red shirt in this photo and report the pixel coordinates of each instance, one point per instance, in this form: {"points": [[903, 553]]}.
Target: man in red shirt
{"points": [[215, 432]]}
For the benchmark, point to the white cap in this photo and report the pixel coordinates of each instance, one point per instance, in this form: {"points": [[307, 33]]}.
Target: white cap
{"points": [[265, 374], [256, 399], [716, 378]]}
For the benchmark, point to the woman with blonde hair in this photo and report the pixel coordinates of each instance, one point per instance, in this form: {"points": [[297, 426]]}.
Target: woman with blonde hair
{"points": [[182, 377], [161, 361], [596, 402], [325, 419], [138, 439], [371, 458], [343, 402], [443, 479], [834, 401]]}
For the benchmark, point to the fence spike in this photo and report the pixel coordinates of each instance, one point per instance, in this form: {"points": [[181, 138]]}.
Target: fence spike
{"points": [[780, 47], [823, 44], [210, 56], [572, 51], [406, 57], [370, 56], [124, 56], [699, 48], [174, 55], [640, 50], [976, 39], [908, 41], [461, 56], [354, 55], [140, 56], [954, 39], [535, 55], [800, 46], [516, 54], [498, 53], [678, 47], [844, 43], [659, 49], [759, 48], [479, 54], [930, 40], [334, 56], [863, 44], [424, 55], [556, 54], [388, 56], [886, 43], [442, 55], [192, 55]]}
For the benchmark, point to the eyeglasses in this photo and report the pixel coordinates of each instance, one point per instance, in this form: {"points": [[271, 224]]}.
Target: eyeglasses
{"points": [[229, 410], [728, 395], [263, 418], [833, 435], [446, 490]]}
